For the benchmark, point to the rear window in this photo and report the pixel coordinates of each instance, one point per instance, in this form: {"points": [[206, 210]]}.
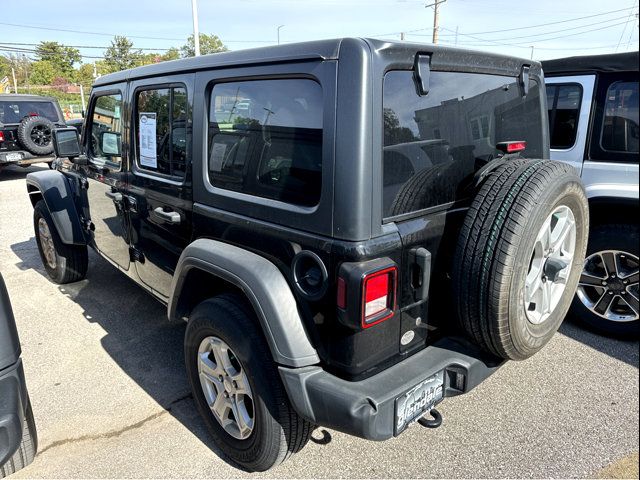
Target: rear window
{"points": [[563, 103], [14, 112], [620, 131], [265, 139], [433, 143]]}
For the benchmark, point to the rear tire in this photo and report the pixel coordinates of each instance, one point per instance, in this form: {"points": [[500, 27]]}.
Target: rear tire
{"points": [[63, 263], [604, 240], [35, 134], [496, 256], [277, 431], [27, 449]]}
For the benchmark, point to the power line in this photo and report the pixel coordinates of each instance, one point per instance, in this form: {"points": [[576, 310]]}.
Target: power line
{"points": [[552, 23], [79, 46], [85, 32]]}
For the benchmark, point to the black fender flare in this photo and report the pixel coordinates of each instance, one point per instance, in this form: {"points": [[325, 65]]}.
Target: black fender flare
{"points": [[56, 192], [265, 287]]}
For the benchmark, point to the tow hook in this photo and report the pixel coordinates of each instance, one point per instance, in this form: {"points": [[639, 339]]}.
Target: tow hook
{"points": [[433, 422]]}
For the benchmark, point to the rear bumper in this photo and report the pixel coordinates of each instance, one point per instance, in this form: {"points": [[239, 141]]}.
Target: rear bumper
{"points": [[366, 408], [27, 158], [13, 405]]}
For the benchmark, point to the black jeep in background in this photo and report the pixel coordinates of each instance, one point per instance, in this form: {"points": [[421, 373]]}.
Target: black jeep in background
{"points": [[26, 125], [352, 229]]}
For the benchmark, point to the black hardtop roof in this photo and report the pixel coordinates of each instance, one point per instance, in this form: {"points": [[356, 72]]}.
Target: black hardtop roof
{"points": [[614, 62], [393, 51], [16, 97]]}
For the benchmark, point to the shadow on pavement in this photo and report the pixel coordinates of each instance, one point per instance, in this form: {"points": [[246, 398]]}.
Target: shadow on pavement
{"points": [[13, 172], [139, 337], [623, 350]]}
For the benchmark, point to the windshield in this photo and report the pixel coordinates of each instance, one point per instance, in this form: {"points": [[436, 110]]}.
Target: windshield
{"points": [[446, 135], [15, 111]]}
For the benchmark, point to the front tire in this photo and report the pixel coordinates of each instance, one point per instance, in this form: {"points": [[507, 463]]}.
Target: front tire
{"points": [[63, 263], [228, 361], [607, 296]]}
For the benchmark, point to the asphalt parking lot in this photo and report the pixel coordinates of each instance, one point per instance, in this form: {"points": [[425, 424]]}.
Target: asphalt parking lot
{"points": [[106, 378]]}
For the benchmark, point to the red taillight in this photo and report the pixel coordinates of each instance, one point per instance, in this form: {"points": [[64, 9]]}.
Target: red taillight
{"points": [[379, 296], [1, 137], [512, 147]]}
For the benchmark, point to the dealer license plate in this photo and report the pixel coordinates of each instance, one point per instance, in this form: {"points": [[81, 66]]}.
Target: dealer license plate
{"points": [[12, 157], [414, 403]]}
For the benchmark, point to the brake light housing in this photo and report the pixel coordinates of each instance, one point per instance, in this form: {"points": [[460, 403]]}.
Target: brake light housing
{"points": [[1, 136], [366, 292], [514, 146]]}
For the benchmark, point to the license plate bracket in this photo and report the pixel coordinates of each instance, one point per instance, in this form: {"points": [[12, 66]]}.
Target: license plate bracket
{"points": [[418, 400]]}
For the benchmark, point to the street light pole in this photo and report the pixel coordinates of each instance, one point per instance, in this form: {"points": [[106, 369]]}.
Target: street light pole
{"points": [[196, 32], [279, 27]]}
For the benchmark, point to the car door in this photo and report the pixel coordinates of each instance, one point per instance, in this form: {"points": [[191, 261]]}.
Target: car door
{"points": [[106, 174], [160, 189], [569, 106]]}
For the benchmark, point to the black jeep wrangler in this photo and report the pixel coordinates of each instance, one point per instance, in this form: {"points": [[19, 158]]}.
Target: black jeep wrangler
{"points": [[26, 125], [352, 229]]}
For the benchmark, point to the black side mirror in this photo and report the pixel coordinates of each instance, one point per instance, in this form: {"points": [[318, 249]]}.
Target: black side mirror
{"points": [[66, 142]]}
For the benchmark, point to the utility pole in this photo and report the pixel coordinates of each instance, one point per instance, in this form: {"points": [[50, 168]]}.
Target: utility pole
{"points": [[196, 32], [456, 34], [532, 52], [278, 29], [402, 36], [15, 84], [436, 18]]}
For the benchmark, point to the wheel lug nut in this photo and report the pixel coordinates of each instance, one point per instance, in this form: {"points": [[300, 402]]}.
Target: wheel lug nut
{"points": [[604, 283], [625, 281], [235, 384], [220, 378], [610, 292], [226, 394]]}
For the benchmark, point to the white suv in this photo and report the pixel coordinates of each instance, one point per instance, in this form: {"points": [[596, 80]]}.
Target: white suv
{"points": [[593, 123]]}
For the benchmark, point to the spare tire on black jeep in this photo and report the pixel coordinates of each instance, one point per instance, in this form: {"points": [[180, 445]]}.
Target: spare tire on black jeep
{"points": [[519, 256], [35, 134]]}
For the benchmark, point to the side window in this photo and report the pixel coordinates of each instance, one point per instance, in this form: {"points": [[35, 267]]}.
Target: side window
{"points": [[265, 139], [563, 103], [161, 130], [620, 124], [105, 142]]}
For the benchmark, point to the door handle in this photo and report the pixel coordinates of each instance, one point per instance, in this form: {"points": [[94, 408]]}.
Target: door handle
{"points": [[171, 216], [115, 196]]}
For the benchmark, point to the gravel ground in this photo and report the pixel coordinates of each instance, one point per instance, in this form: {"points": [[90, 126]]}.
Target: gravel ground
{"points": [[110, 397]]}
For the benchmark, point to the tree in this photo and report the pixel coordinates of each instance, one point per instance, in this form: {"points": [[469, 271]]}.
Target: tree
{"points": [[43, 72], [121, 55], [172, 54], [84, 75], [208, 44], [60, 57], [393, 132]]}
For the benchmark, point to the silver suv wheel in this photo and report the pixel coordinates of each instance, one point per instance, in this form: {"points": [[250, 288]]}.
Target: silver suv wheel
{"points": [[609, 285], [550, 264], [226, 387]]}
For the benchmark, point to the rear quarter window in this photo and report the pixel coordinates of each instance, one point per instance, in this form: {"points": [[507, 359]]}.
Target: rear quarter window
{"points": [[439, 140], [265, 139], [563, 104]]}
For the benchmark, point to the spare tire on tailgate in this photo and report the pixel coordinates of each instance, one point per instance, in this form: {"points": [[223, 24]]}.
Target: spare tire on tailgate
{"points": [[35, 135], [519, 256]]}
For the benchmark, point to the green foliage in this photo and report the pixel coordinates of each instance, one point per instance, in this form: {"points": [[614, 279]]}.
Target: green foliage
{"points": [[61, 57], [172, 54], [208, 44], [121, 55], [5, 67], [43, 72]]}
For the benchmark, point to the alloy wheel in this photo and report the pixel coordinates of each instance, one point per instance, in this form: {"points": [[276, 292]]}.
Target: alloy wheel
{"points": [[550, 265], [226, 387], [46, 242]]}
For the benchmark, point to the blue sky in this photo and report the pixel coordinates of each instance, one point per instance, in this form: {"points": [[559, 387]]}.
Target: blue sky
{"points": [[252, 23]]}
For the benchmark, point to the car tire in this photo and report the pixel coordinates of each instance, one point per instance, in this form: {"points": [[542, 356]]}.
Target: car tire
{"points": [[27, 448], [63, 263], [513, 279], [277, 431], [35, 134], [617, 243]]}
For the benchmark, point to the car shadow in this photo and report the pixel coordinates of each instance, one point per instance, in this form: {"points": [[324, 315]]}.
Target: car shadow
{"points": [[13, 172], [139, 337], [624, 350]]}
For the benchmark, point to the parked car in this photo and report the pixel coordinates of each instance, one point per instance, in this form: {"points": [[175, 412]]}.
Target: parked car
{"points": [[593, 118], [18, 436], [313, 293], [26, 124]]}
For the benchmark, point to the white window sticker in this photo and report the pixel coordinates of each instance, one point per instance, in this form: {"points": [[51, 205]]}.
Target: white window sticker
{"points": [[217, 156], [147, 129]]}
